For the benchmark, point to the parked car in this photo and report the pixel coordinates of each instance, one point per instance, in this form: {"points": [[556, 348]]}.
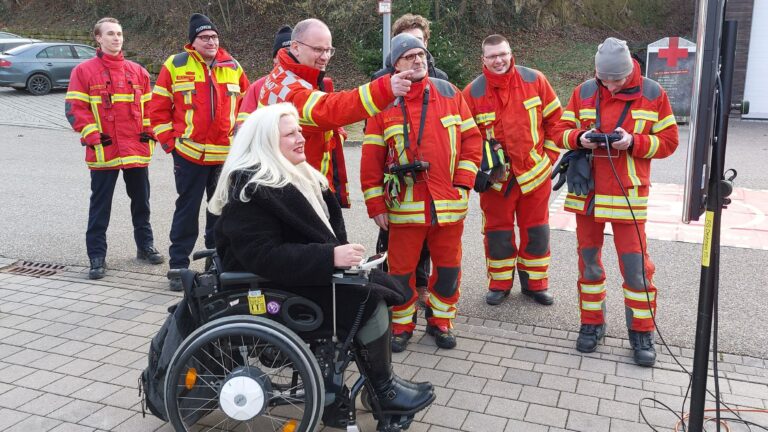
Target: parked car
{"points": [[39, 67], [9, 43], [7, 35]]}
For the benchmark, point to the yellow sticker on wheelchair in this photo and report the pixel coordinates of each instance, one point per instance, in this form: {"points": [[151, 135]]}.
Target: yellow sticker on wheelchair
{"points": [[257, 305]]}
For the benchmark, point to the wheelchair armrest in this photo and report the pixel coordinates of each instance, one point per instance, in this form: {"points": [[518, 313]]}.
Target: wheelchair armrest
{"points": [[205, 253], [240, 278]]}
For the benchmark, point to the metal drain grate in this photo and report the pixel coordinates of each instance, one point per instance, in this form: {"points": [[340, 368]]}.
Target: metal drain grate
{"points": [[34, 269]]}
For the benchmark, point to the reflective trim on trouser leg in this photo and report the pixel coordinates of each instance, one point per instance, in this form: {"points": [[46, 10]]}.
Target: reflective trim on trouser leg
{"points": [[501, 257]]}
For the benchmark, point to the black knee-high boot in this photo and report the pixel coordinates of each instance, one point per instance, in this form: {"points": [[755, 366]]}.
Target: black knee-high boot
{"points": [[395, 395]]}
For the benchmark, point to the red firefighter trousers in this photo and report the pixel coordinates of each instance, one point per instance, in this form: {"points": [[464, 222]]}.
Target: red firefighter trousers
{"points": [[444, 243], [636, 268]]}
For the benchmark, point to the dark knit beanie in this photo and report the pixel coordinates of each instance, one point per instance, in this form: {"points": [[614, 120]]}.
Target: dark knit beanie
{"points": [[282, 39], [199, 23]]}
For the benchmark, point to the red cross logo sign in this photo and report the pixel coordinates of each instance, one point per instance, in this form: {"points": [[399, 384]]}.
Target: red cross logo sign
{"points": [[674, 52]]}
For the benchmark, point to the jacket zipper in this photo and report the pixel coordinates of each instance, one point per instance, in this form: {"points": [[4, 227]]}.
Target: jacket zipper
{"points": [[212, 90]]}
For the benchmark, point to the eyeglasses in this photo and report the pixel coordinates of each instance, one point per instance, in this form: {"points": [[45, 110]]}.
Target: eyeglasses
{"points": [[497, 56], [412, 57], [319, 51], [209, 38]]}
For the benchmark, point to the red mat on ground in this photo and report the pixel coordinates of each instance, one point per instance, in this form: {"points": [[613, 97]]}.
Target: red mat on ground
{"points": [[744, 222]]}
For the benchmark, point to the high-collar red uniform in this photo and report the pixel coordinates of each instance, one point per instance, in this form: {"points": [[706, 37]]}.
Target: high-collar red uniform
{"points": [[106, 95], [520, 110], [321, 113], [194, 106], [648, 118]]}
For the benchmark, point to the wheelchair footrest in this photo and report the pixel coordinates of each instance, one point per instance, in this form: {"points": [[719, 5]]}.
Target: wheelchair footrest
{"points": [[394, 423]]}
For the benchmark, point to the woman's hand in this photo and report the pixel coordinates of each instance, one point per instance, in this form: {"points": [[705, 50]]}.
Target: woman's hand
{"points": [[348, 255]]}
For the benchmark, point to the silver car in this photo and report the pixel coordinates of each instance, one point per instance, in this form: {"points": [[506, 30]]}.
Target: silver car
{"points": [[39, 67], [9, 42]]}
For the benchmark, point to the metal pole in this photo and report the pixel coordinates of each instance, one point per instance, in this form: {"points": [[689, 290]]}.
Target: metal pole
{"points": [[710, 260], [386, 36]]}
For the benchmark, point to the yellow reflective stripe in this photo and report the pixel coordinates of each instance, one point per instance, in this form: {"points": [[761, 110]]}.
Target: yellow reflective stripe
{"points": [[214, 157], [374, 140], [622, 214], [309, 105], [146, 97], [325, 164], [404, 316], [184, 86], [639, 126], [587, 113], [445, 205], [586, 288], [467, 124], [451, 217], [189, 120], [620, 201], [645, 115], [663, 124], [232, 113], [551, 107], [99, 150], [532, 102], [367, 99], [76, 95], [122, 97], [452, 145], [438, 304], [408, 206], [373, 192], [89, 129], [566, 143], [501, 263], [549, 144], [501, 275], [574, 202], [534, 118], [632, 170], [243, 116], [95, 99], [592, 306], [162, 128], [146, 123], [541, 168], [468, 165], [639, 296], [534, 262], [406, 218], [641, 313], [485, 117], [536, 275], [188, 151], [568, 116], [451, 120], [653, 146], [162, 91], [392, 131]]}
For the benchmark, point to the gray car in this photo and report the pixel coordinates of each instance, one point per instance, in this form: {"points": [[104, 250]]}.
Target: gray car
{"points": [[6, 43], [39, 67]]}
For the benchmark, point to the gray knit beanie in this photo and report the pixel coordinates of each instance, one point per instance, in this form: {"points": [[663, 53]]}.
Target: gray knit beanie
{"points": [[401, 44], [612, 61]]}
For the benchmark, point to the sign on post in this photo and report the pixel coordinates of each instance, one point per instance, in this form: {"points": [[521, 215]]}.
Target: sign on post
{"points": [[671, 62], [385, 7]]}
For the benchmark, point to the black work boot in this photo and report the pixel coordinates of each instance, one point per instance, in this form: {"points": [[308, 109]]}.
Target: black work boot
{"points": [[589, 336], [400, 341], [444, 337], [150, 255], [394, 396], [543, 297], [642, 344], [98, 268], [494, 298]]}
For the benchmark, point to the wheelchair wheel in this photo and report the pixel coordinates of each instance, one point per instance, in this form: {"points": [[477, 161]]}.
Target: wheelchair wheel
{"points": [[244, 373]]}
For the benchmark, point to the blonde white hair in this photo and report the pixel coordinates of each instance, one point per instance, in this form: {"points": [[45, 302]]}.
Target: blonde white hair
{"points": [[256, 150]]}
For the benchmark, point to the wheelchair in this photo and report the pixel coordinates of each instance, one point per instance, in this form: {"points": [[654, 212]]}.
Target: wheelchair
{"points": [[258, 359]]}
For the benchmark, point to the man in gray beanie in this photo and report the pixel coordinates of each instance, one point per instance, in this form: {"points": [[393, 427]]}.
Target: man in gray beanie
{"points": [[419, 160], [624, 121]]}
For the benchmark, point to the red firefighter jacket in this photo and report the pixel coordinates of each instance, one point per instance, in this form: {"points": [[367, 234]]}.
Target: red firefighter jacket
{"points": [[520, 110], [107, 95], [450, 143], [322, 113], [194, 107], [648, 118], [250, 100]]}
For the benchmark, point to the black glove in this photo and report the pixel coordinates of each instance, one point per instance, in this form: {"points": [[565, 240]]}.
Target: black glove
{"points": [[146, 137], [106, 140], [482, 182], [579, 175], [390, 290]]}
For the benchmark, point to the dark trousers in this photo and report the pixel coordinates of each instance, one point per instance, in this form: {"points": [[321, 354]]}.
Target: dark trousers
{"points": [[192, 181], [422, 268], [102, 190]]}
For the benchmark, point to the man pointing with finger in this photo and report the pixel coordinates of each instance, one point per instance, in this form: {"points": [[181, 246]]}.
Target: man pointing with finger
{"points": [[298, 78]]}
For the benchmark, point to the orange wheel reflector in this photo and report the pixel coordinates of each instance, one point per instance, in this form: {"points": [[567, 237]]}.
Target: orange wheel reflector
{"points": [[190, 378], [290, 426]]}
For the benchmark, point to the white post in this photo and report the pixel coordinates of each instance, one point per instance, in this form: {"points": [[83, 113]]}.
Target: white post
{"points": [[385, 9]]}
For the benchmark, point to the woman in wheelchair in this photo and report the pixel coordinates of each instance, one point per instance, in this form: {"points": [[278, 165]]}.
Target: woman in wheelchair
{"points": [[280, 220]]}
